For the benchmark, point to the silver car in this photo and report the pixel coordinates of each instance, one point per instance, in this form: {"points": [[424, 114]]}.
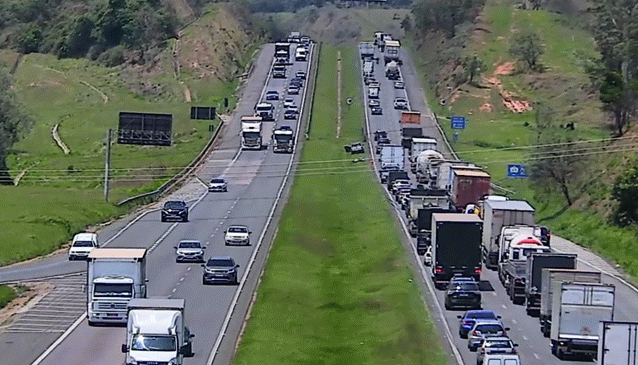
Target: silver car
{"points": [[237, 234], [218, 185], [483, 329], [495, 345], [189, 250]]}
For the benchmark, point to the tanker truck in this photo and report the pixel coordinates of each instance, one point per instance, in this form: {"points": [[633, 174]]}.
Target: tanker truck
{"points": [[427, 166], [392, 70]]}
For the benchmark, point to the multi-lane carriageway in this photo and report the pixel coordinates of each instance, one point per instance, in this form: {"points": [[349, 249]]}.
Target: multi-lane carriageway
{"points": [[534, 349], [256, 181], [214, 313]]}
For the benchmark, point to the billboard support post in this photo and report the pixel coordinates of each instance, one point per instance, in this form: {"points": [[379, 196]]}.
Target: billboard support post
{"points": [[107, 165]]}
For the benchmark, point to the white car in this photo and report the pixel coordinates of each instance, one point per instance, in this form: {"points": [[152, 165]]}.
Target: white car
{"points": [[502, 359], [294, 108], [82, 245], [427, 258], [218, 185], [374, 102], [495, 345], [289, 102], [400, 103], [399, 85], [237, 234], [189, 250]]}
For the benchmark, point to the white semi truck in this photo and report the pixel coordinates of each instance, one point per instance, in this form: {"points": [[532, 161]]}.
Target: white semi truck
{"points": [[392, 70], [618, 344], [496, 215], [427, 166], [391, 52], [552, 278], [115, 276], [283, 140], [156, 332], [577, 310], [251, 133]]}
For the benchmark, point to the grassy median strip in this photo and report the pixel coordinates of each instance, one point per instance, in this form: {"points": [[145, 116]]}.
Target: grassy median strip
{"points": [[338, 288]]}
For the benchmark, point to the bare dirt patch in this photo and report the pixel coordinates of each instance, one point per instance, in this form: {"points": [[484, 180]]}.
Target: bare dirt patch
{"points": [[506, 68]]}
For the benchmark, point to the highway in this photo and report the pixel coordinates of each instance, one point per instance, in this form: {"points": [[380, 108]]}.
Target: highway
{"points": [[255, 188], [524, 330]]}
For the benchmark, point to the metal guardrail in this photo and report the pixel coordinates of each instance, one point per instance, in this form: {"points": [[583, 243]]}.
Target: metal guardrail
{"points": [[180, 176], [315, 64]]}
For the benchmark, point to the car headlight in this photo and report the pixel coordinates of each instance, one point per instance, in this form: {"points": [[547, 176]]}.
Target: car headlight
{"points": [[131, 361]]}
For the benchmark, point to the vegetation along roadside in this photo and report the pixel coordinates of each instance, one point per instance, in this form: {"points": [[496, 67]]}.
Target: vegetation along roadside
{"points": [[562, 105]]}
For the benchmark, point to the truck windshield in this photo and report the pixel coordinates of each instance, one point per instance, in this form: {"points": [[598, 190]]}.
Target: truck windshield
{"points": [[154, 343], [262, 109], [113, 290], [283, 137], [251, 135]]}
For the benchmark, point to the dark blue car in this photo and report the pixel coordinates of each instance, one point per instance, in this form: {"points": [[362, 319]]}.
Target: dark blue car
{"points": [[468, 319]]}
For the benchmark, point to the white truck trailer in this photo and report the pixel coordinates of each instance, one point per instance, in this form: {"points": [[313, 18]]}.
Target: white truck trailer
{"points": [[496, 215], [577, 309], [427, 166], [552, 278], [618, 344], [156, 332], [115, 276], [251, 133], [391, 52]]}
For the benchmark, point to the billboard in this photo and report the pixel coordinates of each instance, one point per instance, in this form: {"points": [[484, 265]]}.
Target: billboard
{"points": [[203, 112], [145, 129]]}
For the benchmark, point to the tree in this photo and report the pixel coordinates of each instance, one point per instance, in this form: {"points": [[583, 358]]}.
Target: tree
{"points": [[556, 159], [473, 67], [528, 47], [406, 24], [13, 123], [619, 98], [625, 192]]}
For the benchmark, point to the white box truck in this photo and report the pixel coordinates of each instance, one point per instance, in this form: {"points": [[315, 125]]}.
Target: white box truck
{"points": [[420, 144], [577, 308], [551, 278], [618, 344], [156, 332], [251, 133], [495, 215], [115, 276]]}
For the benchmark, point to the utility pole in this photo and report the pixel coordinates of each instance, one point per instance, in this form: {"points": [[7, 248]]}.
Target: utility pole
{"points": [[107, 165]]}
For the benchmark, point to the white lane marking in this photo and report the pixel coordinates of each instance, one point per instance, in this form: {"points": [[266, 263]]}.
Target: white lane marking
{"points": [[126, 227], [504, 306], [159, 240], [494, 294], [189, 268], [59, 340], [514, 321], [525, 338], [536, 355], [174, 290]]}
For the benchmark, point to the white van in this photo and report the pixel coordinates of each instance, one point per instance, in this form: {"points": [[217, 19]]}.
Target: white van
{"points": [[501, 359], [373, 93], [301, 54], [82, 245]]}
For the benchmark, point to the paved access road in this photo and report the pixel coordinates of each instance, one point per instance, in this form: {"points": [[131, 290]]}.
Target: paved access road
{"points": [[255, 181], [524, 330]]}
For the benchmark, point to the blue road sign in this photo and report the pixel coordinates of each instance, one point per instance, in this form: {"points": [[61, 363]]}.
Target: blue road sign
{"points": [[516, 170], [458, 122]]}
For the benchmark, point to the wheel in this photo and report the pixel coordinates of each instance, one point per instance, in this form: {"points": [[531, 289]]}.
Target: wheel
{"points": [[560, 354], [447, 306], [553, 348], [188, 352], [204, 282], [235, 282]]}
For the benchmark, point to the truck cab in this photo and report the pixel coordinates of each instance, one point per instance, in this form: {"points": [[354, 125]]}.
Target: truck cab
{"points": [[115, 276], [283, 140], [251, 133], [264, 110], [156, 332]]}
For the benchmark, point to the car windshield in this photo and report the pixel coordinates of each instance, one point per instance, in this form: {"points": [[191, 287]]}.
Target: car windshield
{"points": [[220, 262], [489, 328], [83, 244], [237, 229], [482, 315], [466, 286], [501, 344], [154, 343], [174, 204], [217, 181], [113, 290], [190, 244]]}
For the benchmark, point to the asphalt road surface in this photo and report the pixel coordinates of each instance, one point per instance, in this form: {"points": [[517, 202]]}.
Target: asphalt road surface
{"points": [[255, 181], [524, 329]]}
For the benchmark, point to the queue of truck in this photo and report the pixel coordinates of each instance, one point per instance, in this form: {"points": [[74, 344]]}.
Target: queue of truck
{"points": [[459, 226]]}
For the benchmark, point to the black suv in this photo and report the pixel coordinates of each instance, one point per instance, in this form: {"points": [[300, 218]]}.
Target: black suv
{"points": [[463, 293], [175, 210], [220, 269]]}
